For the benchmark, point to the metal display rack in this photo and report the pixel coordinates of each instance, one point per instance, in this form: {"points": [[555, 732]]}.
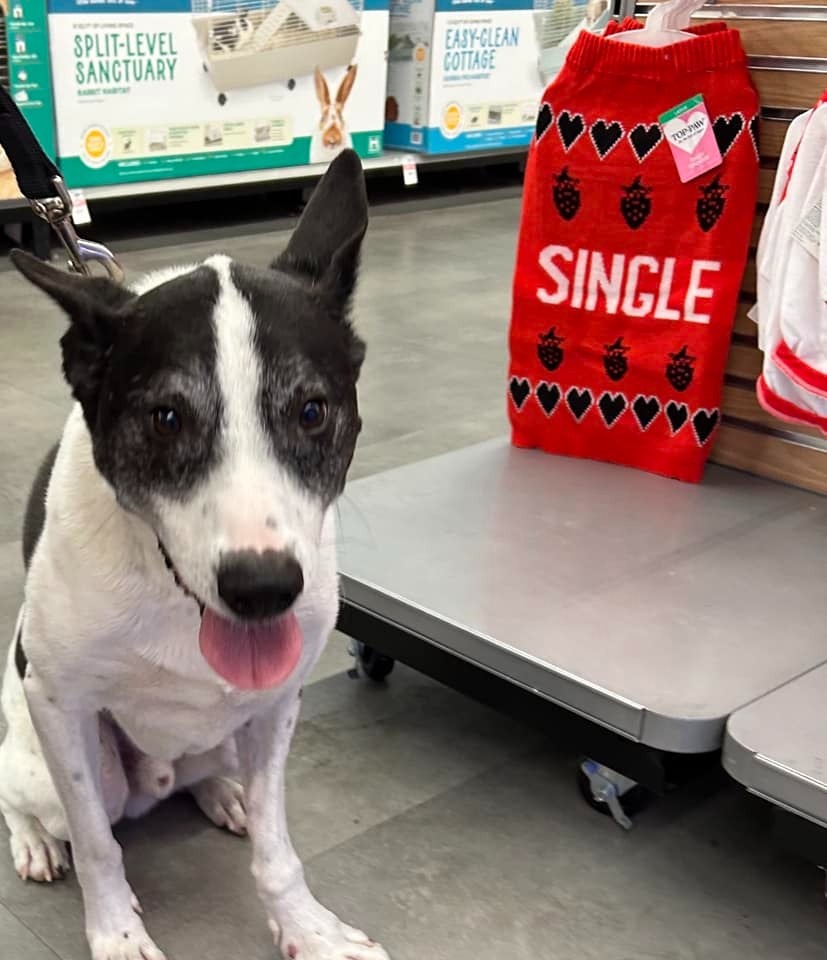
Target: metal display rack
{"points": [[632, 614]]}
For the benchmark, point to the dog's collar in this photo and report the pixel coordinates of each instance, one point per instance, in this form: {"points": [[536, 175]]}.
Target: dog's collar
{"points": [[176, 576]]}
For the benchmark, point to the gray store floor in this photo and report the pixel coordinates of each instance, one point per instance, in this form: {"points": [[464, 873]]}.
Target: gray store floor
{"points": [[447, 831]]}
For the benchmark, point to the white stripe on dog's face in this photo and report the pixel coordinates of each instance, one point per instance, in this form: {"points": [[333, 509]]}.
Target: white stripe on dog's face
{"points": [[247, 500]]}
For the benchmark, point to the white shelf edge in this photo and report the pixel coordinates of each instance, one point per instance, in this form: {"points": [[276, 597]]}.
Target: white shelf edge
{"points": [[389, 160]]}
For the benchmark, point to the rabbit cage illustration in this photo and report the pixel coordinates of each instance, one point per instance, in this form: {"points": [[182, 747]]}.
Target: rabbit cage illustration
{"points": [[245, 43]]}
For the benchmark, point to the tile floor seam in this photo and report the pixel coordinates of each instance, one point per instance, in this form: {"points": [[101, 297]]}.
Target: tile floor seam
{"points": [[479, 775], [35, 935]]}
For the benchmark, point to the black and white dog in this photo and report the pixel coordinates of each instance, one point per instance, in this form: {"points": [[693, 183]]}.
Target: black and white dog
{"points": [[181, 584]]}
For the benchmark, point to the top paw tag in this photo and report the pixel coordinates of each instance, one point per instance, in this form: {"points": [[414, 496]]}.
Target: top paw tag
{"points": [[691, 138]]}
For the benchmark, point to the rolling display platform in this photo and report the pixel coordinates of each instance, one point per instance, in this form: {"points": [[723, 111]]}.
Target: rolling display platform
{"points": [[628, 613], [777, 748]]}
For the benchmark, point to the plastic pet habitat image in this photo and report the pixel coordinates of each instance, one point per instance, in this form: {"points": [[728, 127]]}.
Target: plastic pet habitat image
{"points": [[178, 88], [264, 42]]}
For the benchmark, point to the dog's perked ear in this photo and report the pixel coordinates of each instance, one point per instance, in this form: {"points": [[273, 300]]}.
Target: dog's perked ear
{"points": [[325, 245], [95, 308]]}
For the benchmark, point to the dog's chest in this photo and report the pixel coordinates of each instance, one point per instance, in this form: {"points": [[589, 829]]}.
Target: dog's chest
{"points": [[168, 701], [167, 716]]}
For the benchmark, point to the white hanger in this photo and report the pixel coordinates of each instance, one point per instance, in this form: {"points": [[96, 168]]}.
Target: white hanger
{"points": [[665, 25]]}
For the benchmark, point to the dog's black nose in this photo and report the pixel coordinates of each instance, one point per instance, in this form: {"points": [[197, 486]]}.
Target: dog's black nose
{"points": [[258, 586]]}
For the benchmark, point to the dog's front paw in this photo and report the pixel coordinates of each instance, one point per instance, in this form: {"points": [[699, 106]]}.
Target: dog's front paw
{"points": [[321, 935], [122, 939], [131, 944]]}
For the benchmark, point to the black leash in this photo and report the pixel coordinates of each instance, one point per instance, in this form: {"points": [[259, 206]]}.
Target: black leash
{"points": [[41, 184]]}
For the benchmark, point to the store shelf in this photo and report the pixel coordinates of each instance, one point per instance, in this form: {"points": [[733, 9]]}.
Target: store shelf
{"points": [[389, 162]]}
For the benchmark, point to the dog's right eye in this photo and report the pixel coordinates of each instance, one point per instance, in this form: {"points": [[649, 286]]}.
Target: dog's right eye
{"points": [[166, 422]]}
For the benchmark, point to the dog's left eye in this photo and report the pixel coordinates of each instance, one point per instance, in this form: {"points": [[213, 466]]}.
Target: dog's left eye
{"points": [[166, 422], [313, 416]]}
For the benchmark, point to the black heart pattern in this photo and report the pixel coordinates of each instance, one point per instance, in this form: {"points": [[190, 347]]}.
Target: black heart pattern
{"points": [[519, 388], [605, 136], [704, 423], [611, 405], [571, 127], [755, 133], [644, 139], [727, 130], [545, 118], [677, 414], [579, 402], [645, 410], [548, 396]]}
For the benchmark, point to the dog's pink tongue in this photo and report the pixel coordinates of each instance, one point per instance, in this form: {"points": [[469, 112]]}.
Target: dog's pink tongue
{"points": [[254, 656]]}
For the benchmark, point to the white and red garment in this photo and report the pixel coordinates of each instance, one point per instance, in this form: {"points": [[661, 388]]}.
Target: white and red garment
{"points": [[791, 307]]}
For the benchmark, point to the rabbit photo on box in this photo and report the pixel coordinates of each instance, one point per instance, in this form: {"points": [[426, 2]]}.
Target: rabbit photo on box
{"points": [[331, 136]]}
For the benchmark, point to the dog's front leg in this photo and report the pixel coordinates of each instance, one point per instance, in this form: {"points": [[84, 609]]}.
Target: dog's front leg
{"points": [[303, 928], [70, 740]]}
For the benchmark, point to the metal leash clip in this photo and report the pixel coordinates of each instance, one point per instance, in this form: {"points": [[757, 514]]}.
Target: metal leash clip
{"points": [[41, 184], [57, 212]]}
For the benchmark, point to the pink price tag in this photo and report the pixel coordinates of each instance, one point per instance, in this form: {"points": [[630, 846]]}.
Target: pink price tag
{"points": [[688, 131]]}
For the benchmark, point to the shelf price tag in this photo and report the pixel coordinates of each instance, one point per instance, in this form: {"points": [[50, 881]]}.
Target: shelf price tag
{"points": [[410, 177], [80, 208]]}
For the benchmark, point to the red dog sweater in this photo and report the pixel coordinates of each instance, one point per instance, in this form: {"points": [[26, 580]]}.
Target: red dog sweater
{"points": [[627, 280]]}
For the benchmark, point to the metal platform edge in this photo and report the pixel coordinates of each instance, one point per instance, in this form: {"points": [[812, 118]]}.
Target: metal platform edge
{"points": [[793, 829], [770, 781], [674, 735], [657, 770]]}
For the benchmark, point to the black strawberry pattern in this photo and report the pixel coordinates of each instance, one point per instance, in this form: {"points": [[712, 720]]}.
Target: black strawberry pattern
{"points": [[611, 406], [680, 369], [519, 388], [545, 118], [548, 396], [635, 204], [571, 127], [605, 136], [549, 349], [645, 410], [677, 414], [704, 423], [615, 362], [566, 195], [644, 139], [710, 204], [579, 402]]}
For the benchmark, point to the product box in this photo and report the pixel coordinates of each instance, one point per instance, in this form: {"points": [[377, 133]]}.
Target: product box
{"points": [[152, 89], [26, 74], [468, 74]]}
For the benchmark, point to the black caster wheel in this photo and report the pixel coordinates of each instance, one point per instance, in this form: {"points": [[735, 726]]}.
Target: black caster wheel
{"points": [[375, 666], [206, 68], [632, 802], [222, 99], [291, 84]]}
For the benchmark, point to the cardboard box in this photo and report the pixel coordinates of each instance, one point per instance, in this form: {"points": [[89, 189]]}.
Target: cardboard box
{"points": [[26, 74], [468, 74], [152, 89]]}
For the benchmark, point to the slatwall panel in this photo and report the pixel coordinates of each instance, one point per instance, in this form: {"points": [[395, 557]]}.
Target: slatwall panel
{"points": [[787, 45]]}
